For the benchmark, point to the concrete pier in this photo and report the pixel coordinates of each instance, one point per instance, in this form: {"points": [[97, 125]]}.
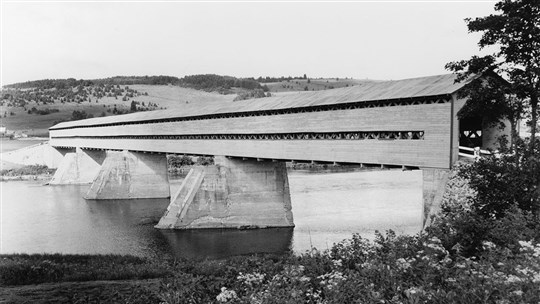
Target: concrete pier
{"points": [[131, 175], [233, 193], [434, 185], [78, 167]]}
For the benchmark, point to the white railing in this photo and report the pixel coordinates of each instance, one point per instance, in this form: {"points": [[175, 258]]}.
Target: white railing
{"points": [[473, 152]]}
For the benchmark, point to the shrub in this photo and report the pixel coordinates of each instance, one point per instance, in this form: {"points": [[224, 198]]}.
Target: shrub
{"points": [[28, 170], [205, 160], [176, 161]]}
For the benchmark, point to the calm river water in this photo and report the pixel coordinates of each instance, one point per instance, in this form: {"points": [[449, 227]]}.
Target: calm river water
{"points": [[327, 208]]}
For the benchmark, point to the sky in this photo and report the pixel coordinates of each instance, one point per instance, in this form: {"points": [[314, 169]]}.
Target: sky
{"points": [[361, 39]]}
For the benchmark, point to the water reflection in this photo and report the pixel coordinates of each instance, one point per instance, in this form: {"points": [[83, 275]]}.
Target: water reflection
{"points": [[129, 212], [327, 208], [214, 243]]}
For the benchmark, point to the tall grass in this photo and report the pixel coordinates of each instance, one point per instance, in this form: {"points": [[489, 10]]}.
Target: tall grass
{"points": [[22, 269]]}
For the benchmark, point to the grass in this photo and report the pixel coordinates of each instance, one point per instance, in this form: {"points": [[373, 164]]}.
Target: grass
{"points": [[169, 97], [24, 269], [313, 85]]}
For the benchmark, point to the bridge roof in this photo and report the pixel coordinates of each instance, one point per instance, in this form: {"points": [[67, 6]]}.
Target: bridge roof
{"points": [[369, 91]]}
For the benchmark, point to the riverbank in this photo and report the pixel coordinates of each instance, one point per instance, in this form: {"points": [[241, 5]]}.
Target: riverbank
{"points": [[32, 172], [391, 269]]}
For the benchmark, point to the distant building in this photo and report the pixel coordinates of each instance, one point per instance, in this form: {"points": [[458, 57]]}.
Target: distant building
{"points": [[3, 130]]}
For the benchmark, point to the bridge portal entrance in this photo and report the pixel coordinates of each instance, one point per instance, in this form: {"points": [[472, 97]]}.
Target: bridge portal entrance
{"points": [[470, 132]]}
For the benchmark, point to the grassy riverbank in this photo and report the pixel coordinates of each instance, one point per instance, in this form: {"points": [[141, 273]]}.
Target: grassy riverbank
{"points": [[392, 269]]}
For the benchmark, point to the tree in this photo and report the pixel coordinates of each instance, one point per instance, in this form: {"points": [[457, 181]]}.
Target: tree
{"points": [[78, 115], [515, 35], [133, 107]]}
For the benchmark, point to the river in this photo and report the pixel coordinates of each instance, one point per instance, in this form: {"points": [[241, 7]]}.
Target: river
{"points": [[327, 208]]}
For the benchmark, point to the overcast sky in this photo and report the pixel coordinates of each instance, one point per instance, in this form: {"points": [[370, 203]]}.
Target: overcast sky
{"points": [[376, 40]]}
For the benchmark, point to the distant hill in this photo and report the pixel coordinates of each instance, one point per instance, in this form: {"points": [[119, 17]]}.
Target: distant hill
{"points": [[317, 84], [34, 106], [206, 82]]}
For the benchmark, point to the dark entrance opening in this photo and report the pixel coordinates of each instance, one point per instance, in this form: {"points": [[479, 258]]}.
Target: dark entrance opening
{"points": [[470, 132]]}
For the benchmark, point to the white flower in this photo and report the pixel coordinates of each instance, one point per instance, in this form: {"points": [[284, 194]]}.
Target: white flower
{"points": [[526, 246], [488, 245], [226, 295], [251, 279], [337, 263], [403, 264]]}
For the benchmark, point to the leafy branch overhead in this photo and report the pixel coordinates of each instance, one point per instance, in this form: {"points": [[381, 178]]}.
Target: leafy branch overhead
{"points": [[514, 35]]}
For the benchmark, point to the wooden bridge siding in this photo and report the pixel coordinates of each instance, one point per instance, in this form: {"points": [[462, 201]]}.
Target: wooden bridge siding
{"points": [[378, 152], [391, 152], [432, 118], [432, 151], [457, 105]]}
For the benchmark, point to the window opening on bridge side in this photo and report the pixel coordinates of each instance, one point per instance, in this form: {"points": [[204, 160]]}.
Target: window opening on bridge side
{"points": [[352, 135]]}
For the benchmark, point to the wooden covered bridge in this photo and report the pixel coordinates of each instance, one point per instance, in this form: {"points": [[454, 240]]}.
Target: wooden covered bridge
{"points": [[409, 123]]}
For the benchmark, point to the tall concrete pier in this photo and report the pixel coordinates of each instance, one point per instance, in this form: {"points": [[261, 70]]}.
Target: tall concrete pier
{"points": [[433, 188], [233, 193], [131, 175], [78, 167]]}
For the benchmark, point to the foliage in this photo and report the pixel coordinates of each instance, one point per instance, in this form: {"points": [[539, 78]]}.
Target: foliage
{"points": [[78, 115], [268, 79], [116, 80], [205, 160], [177, 161], [390, 269], [27, 170], [504, 182], [494, 199], [257, 93], [22, 269], [212, 82], [515, 35], [45, 111]]}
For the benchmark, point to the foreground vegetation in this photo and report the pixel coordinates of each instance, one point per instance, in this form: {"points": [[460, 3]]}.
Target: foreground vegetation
{"points": [[483, 248]]}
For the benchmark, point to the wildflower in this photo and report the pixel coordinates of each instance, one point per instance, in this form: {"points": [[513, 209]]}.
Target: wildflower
{"points": [[226, 295], [512, 279], [251, 279], [337, 263], [447, 260], [525, 246], [536, 278], [518, 293], [403, 264], [331, 280], [461, 266], [487, 245], [413, 291]]}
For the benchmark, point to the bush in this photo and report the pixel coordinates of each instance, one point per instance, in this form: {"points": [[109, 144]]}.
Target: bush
{"points": [[28, 170], [176, 161], [205, 160], [257, 93], [26, 269], [494, 199]]}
